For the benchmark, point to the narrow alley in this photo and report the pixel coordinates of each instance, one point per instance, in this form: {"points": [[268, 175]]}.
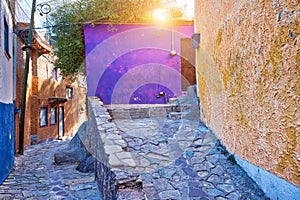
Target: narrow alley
{"points": [[35, 177], [173, 159], [150, 100], [182, 159]]}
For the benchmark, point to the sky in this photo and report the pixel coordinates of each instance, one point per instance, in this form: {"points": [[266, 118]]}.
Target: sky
{"points": [[188, 6], [25, 6]]}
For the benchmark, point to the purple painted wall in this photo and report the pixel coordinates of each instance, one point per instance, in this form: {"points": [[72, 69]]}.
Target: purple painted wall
{"points": [[132, 63]]}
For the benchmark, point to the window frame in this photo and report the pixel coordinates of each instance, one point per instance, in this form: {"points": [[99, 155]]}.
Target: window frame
{"points": [[55, 116], [46, 116], [72, 92], [6, 37]]}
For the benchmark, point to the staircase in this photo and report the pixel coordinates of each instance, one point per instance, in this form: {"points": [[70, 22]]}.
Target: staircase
{"points": [[188, 105], [184, 107]]}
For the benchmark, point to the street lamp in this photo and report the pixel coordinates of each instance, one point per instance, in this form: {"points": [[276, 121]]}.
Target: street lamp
{"points": [[44, 9]]}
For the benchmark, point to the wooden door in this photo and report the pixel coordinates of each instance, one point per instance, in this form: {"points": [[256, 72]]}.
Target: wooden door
{"points": [[187, 57]]}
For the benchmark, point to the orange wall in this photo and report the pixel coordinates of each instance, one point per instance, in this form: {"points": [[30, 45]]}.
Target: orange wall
{"points": [[40, 86], [248, 71]]}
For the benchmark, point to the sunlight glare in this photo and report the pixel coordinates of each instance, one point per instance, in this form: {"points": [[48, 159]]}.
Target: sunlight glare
{"points": [[160, 15]]}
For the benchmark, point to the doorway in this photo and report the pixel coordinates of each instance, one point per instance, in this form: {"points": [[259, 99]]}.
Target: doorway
{"points": [[187, 58], [61, 131]]}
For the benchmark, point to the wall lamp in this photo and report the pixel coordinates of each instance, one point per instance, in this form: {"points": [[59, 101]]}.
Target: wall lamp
{"points": [[196, 40], [43, 8]]}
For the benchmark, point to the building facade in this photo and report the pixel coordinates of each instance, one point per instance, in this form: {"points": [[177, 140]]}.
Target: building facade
{"points": [[55, 107], [248, 83], [138, 63], [7, 136]]}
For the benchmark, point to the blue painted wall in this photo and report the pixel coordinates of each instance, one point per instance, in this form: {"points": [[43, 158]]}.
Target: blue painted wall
{"points": [[7, 140], [133, 64]]}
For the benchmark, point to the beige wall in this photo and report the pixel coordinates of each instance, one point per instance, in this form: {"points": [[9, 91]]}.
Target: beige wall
{"points": [[248, 67]]}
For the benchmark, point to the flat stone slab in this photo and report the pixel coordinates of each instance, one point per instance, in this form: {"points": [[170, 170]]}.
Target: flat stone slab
{"points": [[192, 167], [36, 177]]}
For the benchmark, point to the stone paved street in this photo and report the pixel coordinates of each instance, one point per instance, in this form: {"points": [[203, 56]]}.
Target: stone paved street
{"points": [[35, 177], [177, 159], [182, 159]]}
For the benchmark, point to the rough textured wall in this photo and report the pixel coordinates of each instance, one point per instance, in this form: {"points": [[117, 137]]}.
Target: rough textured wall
{"points": [[248, 76]]}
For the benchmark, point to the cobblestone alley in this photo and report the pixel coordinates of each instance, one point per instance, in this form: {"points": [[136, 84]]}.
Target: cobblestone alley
{"points": [[35, 177], [175, 159]]}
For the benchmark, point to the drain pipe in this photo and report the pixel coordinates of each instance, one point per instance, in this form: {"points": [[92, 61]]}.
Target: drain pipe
{"points": [[28, 49], [173, 51]]}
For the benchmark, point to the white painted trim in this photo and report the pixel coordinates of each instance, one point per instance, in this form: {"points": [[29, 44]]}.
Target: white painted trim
{"points": [[6, 74]]}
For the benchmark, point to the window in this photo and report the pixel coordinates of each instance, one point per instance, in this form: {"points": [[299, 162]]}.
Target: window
{"points": [[43, 116], [55, 74], [69, 92], [6, 37], [53, 118]]}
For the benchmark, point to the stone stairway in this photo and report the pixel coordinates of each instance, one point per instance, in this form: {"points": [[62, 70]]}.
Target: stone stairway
{"points": [[183, 107], [140, 111], [187, 105]]}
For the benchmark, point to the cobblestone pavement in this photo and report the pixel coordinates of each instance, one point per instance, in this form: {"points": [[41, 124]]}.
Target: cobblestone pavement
{"points": [[176, 159], [35, 177], [182, 159]]}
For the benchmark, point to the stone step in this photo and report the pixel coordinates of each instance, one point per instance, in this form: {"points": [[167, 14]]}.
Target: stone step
{"points": [[177, 115], [141, 111]]}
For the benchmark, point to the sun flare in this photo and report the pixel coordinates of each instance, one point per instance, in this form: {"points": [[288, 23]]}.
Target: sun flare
{"points": [[160, 15]]}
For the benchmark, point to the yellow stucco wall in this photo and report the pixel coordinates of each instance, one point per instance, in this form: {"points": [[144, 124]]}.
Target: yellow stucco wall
{"points": [[248, 67]]}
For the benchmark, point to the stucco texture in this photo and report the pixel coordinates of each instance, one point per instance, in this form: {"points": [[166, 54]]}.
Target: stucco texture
{"points": [[40, 87], [248, 67], [132, 63]]}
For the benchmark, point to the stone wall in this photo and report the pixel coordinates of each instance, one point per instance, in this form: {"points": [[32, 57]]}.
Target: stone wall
{"points": [[115, 167], [248, 77]]}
